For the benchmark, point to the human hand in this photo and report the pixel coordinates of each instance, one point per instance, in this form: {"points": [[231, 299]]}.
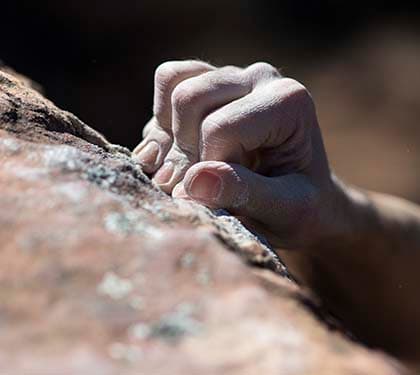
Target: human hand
{"points": [[246, 140]]}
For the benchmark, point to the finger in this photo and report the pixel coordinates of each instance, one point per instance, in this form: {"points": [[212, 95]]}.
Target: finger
{"points": [[158, 133], [151, 152], [167, 76], [146, 130], [271, 120], [274, 201], [192, 100], [196, 97]]}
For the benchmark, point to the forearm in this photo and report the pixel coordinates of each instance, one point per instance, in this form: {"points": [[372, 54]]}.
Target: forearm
{"points": [[368, 269]]}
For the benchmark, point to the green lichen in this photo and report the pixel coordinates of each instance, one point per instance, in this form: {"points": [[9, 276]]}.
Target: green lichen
{"points": [[170, 327], [131, 222]]}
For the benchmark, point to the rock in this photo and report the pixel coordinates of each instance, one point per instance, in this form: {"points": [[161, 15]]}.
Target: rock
{"points": [[102, 273]]}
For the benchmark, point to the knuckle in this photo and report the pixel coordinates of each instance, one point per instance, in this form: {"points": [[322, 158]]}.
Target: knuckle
{"points": [[212, 125], [264, 68], [169, 72], [183, 95], [165, 73], [215, 134], [193, 91], [295, 95], [299, 92]]}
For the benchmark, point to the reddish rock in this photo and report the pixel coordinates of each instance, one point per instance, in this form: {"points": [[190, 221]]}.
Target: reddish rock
{"points": [[101, 273]]}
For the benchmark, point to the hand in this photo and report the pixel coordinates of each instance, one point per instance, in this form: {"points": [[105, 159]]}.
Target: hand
{"points": [[246, 140]]}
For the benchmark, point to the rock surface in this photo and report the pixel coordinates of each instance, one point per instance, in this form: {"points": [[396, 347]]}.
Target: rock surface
{"points": [[101, 273]]}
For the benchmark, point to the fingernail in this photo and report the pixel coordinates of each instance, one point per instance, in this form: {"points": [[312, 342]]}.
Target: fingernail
{"points": [[164, 174], [205, 186], [148, 155]]}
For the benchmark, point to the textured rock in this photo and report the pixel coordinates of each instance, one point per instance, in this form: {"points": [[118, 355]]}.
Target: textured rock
{"points": [[101, 273]]}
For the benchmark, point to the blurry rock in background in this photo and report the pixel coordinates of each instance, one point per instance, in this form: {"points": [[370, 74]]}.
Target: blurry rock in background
{"points": [[360, 62]]}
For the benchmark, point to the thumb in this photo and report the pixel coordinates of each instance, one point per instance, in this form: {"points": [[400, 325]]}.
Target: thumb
{"points": [[276, 201], [219, 185]]}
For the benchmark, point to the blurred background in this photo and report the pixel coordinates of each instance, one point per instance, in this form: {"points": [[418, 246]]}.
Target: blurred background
{"points": [[361, 62]]}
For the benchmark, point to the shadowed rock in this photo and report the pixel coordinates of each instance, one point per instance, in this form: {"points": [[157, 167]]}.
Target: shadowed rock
{"points": [[101, 273]]}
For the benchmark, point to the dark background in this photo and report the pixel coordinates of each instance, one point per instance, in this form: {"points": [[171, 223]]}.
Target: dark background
{"points": [[361, 62]]}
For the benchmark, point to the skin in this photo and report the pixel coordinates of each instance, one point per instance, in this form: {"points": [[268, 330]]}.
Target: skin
{"points": [[248, 140]]}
